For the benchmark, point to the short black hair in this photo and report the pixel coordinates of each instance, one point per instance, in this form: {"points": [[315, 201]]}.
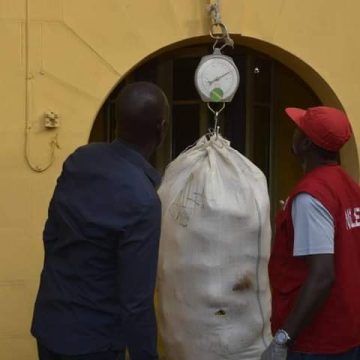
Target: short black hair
{"points": [[139, 110]]}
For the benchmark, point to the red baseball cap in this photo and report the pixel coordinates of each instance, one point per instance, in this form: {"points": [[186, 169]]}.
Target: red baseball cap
{"points": [[326, 127]]}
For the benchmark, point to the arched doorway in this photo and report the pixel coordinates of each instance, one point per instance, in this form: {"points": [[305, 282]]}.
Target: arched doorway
{"points": [[254, 122]]}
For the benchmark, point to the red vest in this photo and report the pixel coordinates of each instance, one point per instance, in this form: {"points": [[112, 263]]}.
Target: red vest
{"points": [[336, 327]]}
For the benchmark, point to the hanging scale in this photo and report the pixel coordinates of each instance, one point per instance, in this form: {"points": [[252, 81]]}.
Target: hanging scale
{"points": [[217, 78]]}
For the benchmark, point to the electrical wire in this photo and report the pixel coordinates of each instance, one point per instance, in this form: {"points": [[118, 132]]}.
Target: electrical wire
{"points": [[28, 78]]}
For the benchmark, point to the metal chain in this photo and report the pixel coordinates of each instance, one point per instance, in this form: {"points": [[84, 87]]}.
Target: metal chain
{"points": [[220, 34], [214, 10], [218, 30], [216, 117]]}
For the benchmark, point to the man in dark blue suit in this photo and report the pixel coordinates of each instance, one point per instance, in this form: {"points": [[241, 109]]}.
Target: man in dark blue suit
{"points": [[101, 242]]}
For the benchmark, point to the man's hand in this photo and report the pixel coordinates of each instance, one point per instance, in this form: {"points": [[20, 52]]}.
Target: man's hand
{"points": [[274, 352]]}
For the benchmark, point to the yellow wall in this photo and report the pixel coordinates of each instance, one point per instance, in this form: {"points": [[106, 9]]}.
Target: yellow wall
{"points": [[66, 56]]}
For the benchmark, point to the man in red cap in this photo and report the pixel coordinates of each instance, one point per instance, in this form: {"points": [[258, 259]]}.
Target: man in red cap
{"points": [[314, 267]]}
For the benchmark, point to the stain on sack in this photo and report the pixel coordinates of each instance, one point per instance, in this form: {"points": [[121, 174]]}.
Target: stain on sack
{"points": [[180, 215], [220, 312], [244, 283]]}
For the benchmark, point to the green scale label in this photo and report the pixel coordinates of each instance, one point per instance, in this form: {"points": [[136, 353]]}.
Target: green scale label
{"points": [[216, 95]]}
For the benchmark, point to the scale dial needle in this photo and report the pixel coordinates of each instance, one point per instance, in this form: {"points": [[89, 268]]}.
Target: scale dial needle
{"points": [[218, 78]]}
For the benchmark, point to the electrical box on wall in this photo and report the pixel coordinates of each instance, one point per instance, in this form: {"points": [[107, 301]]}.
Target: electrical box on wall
{"points": [[52, 120]]}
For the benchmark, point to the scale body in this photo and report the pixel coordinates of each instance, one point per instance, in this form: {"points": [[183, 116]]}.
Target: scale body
{"points": [[217, 78]]}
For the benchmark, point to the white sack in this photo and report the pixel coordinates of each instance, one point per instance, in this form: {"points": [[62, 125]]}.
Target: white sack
{"points": [[214, 295]]}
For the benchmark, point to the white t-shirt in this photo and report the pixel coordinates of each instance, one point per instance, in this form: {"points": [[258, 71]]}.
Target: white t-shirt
{"points": [[313, 226]]}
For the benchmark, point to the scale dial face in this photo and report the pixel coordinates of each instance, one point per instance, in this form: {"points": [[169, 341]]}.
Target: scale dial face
{"points": [[217, 78]]}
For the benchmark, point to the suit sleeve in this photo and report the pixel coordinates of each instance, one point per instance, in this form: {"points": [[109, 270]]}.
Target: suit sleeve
{"points": [[137, 265]]}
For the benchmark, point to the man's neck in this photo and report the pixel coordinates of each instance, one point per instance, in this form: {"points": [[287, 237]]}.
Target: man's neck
{"points": [[145, 150], [311, 164]]}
